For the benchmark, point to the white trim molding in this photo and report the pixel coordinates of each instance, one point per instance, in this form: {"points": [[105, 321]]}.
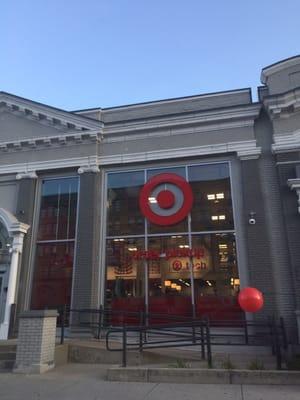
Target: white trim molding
{"points": [[26, 175], [294, 184], [90, 168], [16, 230]]}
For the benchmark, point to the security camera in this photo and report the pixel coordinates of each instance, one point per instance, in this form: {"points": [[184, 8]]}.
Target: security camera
{"points": [[252, 220]]}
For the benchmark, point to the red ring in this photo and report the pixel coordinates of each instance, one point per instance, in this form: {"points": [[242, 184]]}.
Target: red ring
{"points": [[147, 189]]}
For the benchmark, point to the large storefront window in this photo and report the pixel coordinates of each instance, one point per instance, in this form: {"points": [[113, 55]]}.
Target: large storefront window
{"points": [[52, 280], [185, 265]]}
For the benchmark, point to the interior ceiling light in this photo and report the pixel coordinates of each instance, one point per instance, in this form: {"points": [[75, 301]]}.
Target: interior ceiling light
{"points": [[211, 197], [220, 196], [152, 200]]}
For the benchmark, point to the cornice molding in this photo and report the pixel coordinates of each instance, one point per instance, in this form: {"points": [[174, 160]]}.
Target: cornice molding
{"points": [[287, 142], [69, 138], [42, 112], [283, 105], [244, 150]]}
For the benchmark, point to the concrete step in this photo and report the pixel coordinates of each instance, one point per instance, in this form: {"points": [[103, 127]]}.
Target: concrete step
{"points": [[8, 355], [203, 376], [6, 365], [4, 348]]}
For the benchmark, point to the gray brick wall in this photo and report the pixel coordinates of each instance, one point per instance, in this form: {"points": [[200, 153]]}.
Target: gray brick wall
{"points": [[36, 342], [274, 235], [85, 280], [292, 223]]}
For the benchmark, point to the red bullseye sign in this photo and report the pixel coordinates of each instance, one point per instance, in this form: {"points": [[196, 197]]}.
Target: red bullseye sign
{"points": [[166, 199]]}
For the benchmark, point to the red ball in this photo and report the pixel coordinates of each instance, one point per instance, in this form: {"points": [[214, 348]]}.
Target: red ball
{"points": [[250, 299]]}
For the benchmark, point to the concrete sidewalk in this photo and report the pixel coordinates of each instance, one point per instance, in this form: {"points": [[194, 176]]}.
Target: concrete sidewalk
{"points": [[87, 382]]}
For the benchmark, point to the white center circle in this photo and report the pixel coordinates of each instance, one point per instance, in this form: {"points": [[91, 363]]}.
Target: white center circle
{"points": [[179, 199]]}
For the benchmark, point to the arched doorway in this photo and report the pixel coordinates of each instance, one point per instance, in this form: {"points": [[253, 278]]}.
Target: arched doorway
{"points": [[11, 245]]}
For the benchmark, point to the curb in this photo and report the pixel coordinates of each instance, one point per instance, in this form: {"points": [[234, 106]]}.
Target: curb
{"points": [[203, 376]]}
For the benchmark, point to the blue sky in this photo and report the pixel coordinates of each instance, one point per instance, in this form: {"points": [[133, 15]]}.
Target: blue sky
{"points": [[76, 54]]}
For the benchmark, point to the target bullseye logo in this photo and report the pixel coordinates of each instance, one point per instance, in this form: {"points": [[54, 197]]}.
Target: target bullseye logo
{"points": [[166, 199]]}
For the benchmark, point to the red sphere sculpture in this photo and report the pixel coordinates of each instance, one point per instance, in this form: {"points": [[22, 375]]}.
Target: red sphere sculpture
{"points": [[250, 299]]}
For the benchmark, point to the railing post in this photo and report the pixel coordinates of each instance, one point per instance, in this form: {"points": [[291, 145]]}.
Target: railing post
{"points": [[209, 359], [124, 355], [284, 338], [246, 332], [141, 332], [63, 318], [193, 331], [100, 319], [277, 347], [202, 340]]}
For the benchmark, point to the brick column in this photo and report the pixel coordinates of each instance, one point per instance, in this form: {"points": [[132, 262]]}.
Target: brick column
{"points": [[36, 342]]}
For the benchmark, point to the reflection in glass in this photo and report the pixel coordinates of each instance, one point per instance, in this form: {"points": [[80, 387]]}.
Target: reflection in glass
{"points": [[58, 209], [212, 209], [169, 276], [124, 216], [216, 279], [125, 275], [53, 275]]}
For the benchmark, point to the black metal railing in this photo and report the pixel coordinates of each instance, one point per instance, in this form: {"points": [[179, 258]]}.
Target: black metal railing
{"points": [[173, 331]]}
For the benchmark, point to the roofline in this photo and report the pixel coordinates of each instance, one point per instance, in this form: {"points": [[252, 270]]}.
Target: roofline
{"points": [[43, 105], [279, 65], [172, 99]]}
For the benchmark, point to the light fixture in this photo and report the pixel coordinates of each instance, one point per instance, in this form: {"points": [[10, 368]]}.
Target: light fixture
{"points": [[222, 246], [167, 283], [209, 283], [211, 197], [152, 200], [236, 282], [183, 246], [173, 285], [132, 248], [178, 288], [218, 217], [220, 196], [119, 240]]}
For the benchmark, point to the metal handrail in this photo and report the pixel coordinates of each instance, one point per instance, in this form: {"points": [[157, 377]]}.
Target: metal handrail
{"points": [[198, 331]]}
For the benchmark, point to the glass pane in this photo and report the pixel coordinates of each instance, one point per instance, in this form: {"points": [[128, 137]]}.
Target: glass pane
{"points": [[53, 275], [58, 209], [169, 276], [124, 216], [212, 209], [125, 278], [216, 276], [181, 226]]}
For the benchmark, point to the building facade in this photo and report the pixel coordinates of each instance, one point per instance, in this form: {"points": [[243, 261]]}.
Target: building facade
{"points": [[169, 206]]}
